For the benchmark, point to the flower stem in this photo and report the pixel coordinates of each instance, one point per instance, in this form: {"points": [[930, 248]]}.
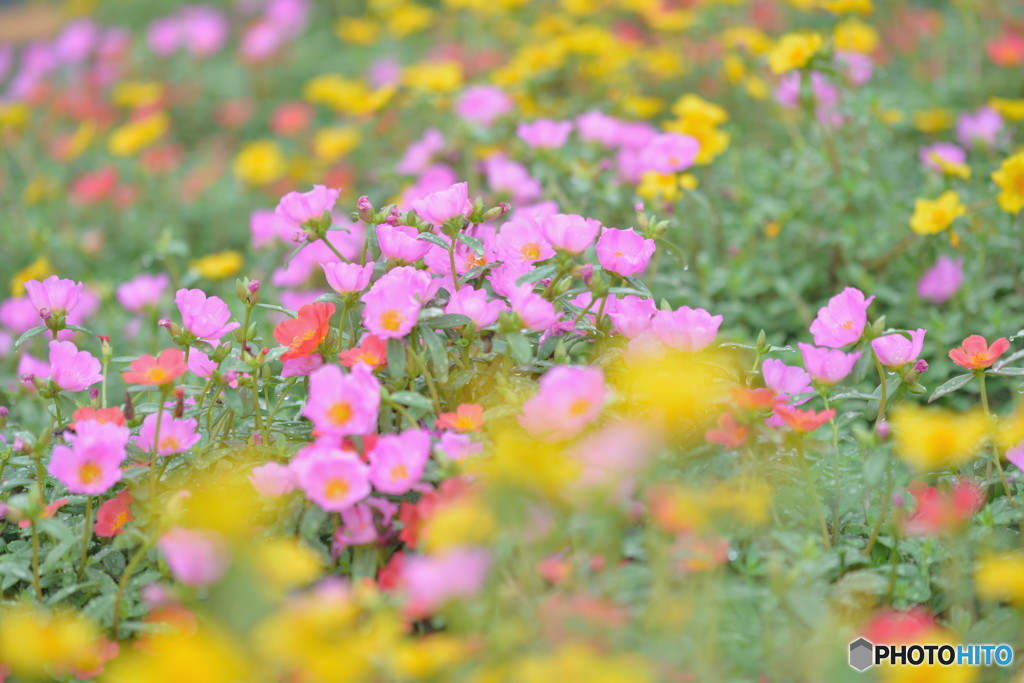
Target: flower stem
{"points": [[881, 515], [814, 494], [123, 583], [835, 467], [152, 461], [332, 248], [882, 398], [85, 536], [35, 563], [451, 257], [995, 448]]}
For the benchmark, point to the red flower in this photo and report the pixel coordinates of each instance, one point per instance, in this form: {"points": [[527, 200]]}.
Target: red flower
{"points": [[803, 420], [975, 353], [468, 417], [302, 335], [754, 399], [150, 371], [372, 351], [938, 512], [389, 577], [48, 511], [1006, 50], [730, 434], [113, 515], [95, 186], [893, 626], [101, 415]]}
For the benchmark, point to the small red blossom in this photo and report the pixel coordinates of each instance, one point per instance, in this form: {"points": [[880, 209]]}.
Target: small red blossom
{"points": [[939, 512], [803, 420], [372, 351], [468, 417], [976, 354], [101, 415], [48, 511], [730, 433], [150, 371], [754, 399], [302, 335], [113, 515]]}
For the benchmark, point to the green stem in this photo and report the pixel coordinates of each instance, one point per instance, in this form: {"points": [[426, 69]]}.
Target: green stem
{"points": [[404, 413], [881, 515], [153, 456], [451, 257], [835, 467], [35, 563], [341, 326], [123, 583], [426, 375], [270, 418], [980, 374], [336, 252], [814, 493], [882, 397], [86, 536]]}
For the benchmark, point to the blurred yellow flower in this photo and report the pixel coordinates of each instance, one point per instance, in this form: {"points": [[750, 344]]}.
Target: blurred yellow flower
{"points": [[772, 229], [259, 162], [331, 144], [39, 190], [357, 30], [696, 108], [39, 269], [574, 662], [218, 266], [34, 642], [1001, 577], [14, 117], [661, 186], [465, 521], [662, 62], [520, 462], [746, 37], [1010, 179], [433, 77], [853, 35], [206, 656], [285, 564], [932, 216], [864, 7], [932, 120], [638, 106], [930, 438], [79, 140], [427, 657], [757, 88], [132, 137], [713, 141], [408, 19], [794, 51], [137, 94], [1012, 110], [734, 68], [951, 168]]}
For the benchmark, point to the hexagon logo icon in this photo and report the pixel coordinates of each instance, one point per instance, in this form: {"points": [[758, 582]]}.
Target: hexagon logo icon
{"points": [[862, 654]]}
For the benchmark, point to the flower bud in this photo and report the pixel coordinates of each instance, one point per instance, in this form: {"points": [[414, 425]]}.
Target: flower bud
{"points": [[105, 349], [94, 397], [221, 353], [179, 404], [3, 417], [883, 429], [129, 408], [920, 366], [364, 209], [172, 328], [762, 346]]}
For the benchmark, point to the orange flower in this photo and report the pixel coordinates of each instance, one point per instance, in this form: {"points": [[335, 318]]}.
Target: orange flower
{"points": [[803, 420], [754, 399], [150, 371], [101, 415], [372, 351], [975, 353], [730, 433], [303, 334], [468, 417], [114, 514]]}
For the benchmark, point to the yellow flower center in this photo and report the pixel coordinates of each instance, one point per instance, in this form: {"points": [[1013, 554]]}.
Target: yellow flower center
{"points": [[339, 413], [848, 324], [399, 472], [120, 520], [89, 472], [169, 443], [157, 374], [579, 407], [391, 320], [531, 251], [336, 489]]}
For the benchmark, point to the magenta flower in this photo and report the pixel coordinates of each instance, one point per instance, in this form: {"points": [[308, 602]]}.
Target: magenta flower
{"points": [[431, 581], [93, 462], [266, 227], [686, 329], [141, 291], [204, 30], [272, 480], [842, 321], [196, 557], [391, 308], [340, 405], [54, 295], [473, 304], [482, 104], [18, 315], [570, 232], [438, 207], [512, 178], [942, 280], [669, 153], [568, 399], [1015, 454], [398, 460], [979, 128], [786, 380], [522, 241], [535, 312], [946, 151], [895, 350], [623, 252], [455, 446], [176, 435], [631, 315], [828, 366], [420, 153], [298, 208], [205, 317], [302, 367], [332, 478], [347, 278], [357, 527], [399, 242], [71, 369], [201, 365], [544, 133]]}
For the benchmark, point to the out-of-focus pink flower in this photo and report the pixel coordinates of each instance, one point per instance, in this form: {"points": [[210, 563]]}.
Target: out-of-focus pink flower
{"points": [[141, 291], [512, 179], [438, 207], [176, 435], [18, 314], [266, 226], [399, 242], [895, 350], [200, 365], [302, 367], [384, 71], [979, 128], [299, 207], [859, 66], [207, 318], [828, 366], [457, 446], [93, 462], [54, 295], [686, 329], [942, 280], [842, 321], [945, 151], [568, 399], [787, 381], [614, 456], [76, 41], [535, 312], [482, 104], [196, 557], [473, 304], [71, 369], [544, 133], [397, 461], [430, 581], [333, 478], [357, 527], [668, 153], [624, 252], [420, 153], [631, 315], [272, 479], [522, 241], [570, 232], [291, 118], [204, 30], [729, 433], [341, 405]]}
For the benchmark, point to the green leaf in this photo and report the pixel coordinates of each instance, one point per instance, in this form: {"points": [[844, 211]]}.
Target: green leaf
{"points": [[412, 400], [447, 321], [396, 359], [1008, 372], [433, 239], [519, 346], [279, 309], [637, 283], [28, 335], [330, 298], [538, 274], [436, 350], [952, 385], [473, 243]]}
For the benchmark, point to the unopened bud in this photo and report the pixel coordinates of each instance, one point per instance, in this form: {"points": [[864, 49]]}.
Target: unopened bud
{"points": [[394, 217], [642, 221], [129, 408], [172, 328], [45, 313], [883, 429], [496, 212], [365, 209], [106, 351], [921, 366], [3, 417], [587, 273], [221, 353], [762, 340], [19, 446], [898, 500], [94, 397], [179, 404]]}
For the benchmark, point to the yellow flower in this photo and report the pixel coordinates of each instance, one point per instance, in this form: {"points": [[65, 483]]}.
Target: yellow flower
{"points": [[756, 88], [205, 656], [1012, 110], [932, 120], [1001, 577], [713, 141], [37, 270], [637, 106], [951, 168], [889, 117], [333, 90], [137, 94], [748, 38], [660, 186], [34, 642], [134, 136], [80, 140], [932, 216], [930, 439], [794, 51], [772, 229], [409, 19], [1010, 179], [733, 68], [465, 521], [39, 190], [662, 63], [14, 117], [864, 7], [433, 77], [574, 662], [331, 144], [699, 110], [429, 656], [259, 162], [218, 266], [357, 30], [853, 35], [285, 564], [520, 462]]}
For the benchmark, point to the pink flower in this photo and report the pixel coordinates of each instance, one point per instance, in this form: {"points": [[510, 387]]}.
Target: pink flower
{"points": [[473, 304], [29, 366], [200, 365], [535, 312], [266, 226], [196, 557], [1015, 454], [669, 153], [391, 308], [347, 278], [272, 480], [942, 280], [438, 207], [979, 128], [456, 446], [544, 133], [827, 365], [340, 405], [302, 367], [430, 581], [93, 462], [895, 350], [614, 455], [298, 208], [332, 478], [946, 151], [859, 67], [686, 329], [842, 321], [204, 30], [569, 398], [397, 461], [570, 232], [522, 241], [358, 527], [786, 381], [176, 435], [631, 315], [71, 369], [623, 252], [205, 317], [399, 242], [18, 315], [54, 295], [141, 291], [482, 104], [420, 153], [823, 93]]}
